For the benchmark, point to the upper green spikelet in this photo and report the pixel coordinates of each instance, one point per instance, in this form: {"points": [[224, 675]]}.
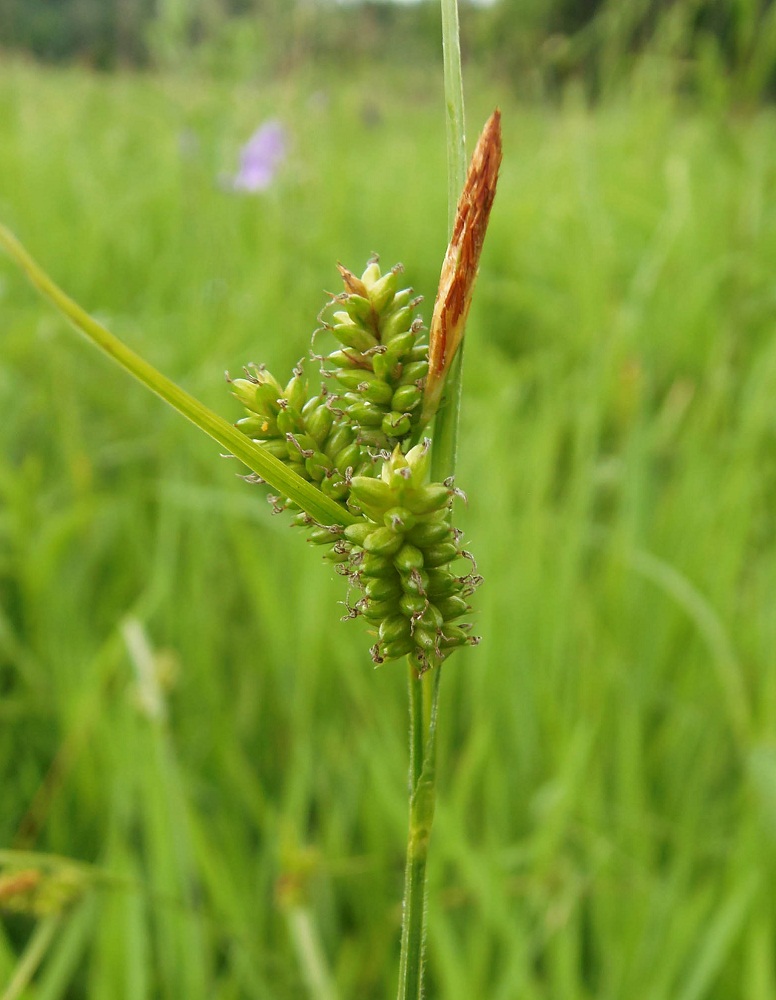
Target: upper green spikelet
{"points": [[379, 370]]}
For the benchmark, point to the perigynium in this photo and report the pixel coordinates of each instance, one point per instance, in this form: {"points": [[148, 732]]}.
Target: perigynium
{"points": [[352, 437]]}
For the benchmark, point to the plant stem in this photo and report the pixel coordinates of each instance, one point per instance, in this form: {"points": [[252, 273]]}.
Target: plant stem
{"points": [[424, 691], [424, 701], [456, 130], [445, 449]]}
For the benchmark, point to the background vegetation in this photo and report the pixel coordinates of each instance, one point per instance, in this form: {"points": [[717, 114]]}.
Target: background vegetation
{"points": [[181, 711], [535, 46]]}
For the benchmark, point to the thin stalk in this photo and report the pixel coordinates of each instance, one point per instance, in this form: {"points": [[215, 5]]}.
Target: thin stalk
{"points": [[411, 905], [424, 691], [424, 702], [445, 449], [416, 728], [456, 129]]}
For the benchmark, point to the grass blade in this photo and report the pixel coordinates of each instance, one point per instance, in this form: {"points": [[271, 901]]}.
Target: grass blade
{"points": [[257, 459]]}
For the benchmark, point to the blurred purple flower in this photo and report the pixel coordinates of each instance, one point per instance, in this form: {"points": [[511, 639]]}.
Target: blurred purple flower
{"points": [[260, 158]]}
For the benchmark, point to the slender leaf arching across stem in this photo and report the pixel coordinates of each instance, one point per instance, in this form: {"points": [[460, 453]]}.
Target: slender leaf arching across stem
{"points": [[257, 459]]}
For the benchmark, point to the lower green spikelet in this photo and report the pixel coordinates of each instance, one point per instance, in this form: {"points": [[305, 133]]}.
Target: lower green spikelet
{"points": [[401, 559], [399, 556], [353, 442]]}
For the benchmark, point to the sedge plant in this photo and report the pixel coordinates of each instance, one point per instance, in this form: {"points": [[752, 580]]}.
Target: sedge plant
{"points": [[363, 458]]}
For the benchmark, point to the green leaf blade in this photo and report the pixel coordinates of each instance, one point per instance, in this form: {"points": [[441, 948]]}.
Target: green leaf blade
{"points": [[287, 483]]}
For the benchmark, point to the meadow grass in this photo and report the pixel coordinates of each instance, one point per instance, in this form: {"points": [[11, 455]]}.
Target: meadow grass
{"points": [[606, 816]]}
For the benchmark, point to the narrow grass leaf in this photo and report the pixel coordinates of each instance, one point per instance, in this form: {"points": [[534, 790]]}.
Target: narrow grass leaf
{"points": [[287, 483]]}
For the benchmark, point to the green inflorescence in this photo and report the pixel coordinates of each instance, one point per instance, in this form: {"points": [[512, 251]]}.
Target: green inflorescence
{"points": [[354, 439]]}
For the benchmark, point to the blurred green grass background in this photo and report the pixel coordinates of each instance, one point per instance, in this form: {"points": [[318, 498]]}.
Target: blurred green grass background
{"points": [[607, 817]]}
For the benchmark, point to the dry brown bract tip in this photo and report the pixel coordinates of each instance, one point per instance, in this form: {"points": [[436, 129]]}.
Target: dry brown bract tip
{"points": [[461, 261]]}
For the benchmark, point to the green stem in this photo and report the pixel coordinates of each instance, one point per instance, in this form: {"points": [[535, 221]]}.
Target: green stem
{"points": [[456, 129], [424, 691], [445, 450], [416, 728], [256, 458], [424, 701]]}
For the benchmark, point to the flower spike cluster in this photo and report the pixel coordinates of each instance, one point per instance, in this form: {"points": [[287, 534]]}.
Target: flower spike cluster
{"points": [[354, 439], [382, 363], [401, 558]]}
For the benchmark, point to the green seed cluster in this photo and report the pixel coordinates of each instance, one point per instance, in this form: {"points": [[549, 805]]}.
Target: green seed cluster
{"points": [[400, 557], [381, 366], [303, 432], [378, 379], [350, 440]]}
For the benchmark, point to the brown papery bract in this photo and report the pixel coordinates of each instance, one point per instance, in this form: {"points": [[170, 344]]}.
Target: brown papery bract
{"points": [[461, 262]]}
